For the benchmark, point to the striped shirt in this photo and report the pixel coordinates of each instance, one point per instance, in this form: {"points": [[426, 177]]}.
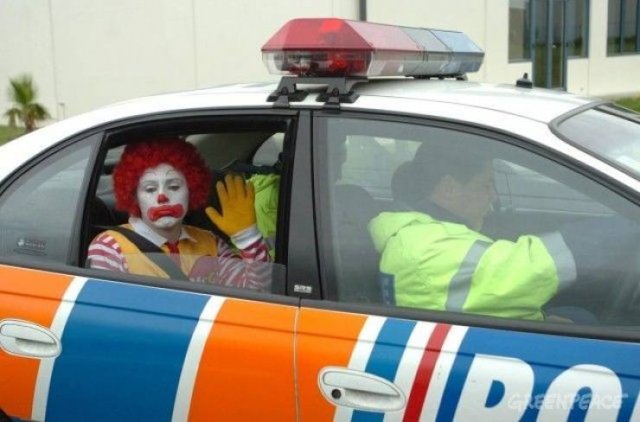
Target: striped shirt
{"points": [[247, 265]]}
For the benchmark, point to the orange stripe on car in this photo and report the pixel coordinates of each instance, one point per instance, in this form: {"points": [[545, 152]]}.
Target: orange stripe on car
{"points": [[325, 339], [249, 340], [33, 296]]}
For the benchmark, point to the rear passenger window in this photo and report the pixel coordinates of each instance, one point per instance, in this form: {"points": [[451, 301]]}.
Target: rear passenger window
{"points": [[38, 211], [203, 250], [442, 219]]}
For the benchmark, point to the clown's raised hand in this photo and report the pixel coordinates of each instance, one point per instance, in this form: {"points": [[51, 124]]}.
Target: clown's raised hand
{"points": [[236, 205]]}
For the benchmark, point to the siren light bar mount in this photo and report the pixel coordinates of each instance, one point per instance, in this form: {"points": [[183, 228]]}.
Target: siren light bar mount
{"points": [[339, 90]]}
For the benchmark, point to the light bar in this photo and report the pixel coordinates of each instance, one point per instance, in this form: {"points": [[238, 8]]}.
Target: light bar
{"points": [[339, 47]]}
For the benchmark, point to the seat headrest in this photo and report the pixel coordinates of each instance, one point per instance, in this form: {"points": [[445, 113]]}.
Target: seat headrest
{"points": [[403, 184]]}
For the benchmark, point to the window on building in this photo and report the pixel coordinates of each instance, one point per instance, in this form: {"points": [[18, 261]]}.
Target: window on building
{"points": [[519, 30], [576, 30], [623, 27], [530, 31]]}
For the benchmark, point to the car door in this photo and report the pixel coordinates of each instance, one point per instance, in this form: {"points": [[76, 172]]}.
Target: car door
{"points": [[82, 344], [364, 354]]}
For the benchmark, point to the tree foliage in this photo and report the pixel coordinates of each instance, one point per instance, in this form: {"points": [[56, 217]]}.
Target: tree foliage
{"points": [[24, 108]]}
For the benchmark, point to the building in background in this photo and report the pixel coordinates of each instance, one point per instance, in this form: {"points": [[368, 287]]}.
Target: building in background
{"points": [[88, 53]]}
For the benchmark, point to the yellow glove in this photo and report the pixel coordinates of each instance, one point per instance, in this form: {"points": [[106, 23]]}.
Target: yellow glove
{"points": [[236, 203]]}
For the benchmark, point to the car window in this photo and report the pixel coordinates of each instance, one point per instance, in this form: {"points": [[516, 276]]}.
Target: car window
{"points": [[208, 250], [436, 218], [269, 152], [38, 210], [370, 162], [608, 131]]}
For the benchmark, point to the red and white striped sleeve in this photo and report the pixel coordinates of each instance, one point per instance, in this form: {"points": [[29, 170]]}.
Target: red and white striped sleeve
{"points": [[248, 266], [105, 254]]}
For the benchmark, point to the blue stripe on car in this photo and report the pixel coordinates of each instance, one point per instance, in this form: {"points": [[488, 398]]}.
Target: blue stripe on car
{"points": [[548, 356], [123, 344], [385, 357]]}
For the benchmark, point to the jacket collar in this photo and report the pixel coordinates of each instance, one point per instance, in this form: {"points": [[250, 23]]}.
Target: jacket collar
{"points": [[437, 212]]}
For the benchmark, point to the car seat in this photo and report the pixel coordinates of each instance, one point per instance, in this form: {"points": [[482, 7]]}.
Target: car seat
{"points": [[100, 217], [402, 186], [358, 261]]}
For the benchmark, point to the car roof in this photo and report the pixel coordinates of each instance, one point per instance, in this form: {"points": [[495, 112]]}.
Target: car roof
{"points": [[539, 104], [533, 104]]}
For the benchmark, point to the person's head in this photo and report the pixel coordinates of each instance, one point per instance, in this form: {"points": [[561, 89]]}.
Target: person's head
{"points": [[159, 180], [456, 177]]}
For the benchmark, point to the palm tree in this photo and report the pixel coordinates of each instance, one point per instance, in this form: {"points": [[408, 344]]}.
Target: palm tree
{"points": [[23, 93]]}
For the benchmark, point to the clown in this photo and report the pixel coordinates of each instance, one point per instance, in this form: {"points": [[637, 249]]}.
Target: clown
{"points": [[157, 182]]}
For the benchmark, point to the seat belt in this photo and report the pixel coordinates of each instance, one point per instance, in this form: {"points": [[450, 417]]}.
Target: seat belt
{"points": [[153, 252]]}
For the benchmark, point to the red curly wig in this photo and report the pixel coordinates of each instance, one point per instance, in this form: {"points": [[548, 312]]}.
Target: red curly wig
{"points": [[139, 156]]}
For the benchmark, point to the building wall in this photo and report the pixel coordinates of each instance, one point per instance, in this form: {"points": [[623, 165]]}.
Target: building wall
{"points": [[87, 53], [26, 46], [436, 15], [609, 76]]}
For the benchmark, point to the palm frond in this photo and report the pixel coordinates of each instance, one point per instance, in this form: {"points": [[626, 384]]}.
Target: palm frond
{"points": [[22, 90], [23, 93], [38, 111]]}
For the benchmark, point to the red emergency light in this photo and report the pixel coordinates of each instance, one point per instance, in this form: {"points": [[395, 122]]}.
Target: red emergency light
{"points": [[321, 47]]}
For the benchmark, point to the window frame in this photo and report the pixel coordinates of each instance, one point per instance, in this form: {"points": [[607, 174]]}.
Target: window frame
{"points": [[621, 29], [327, 267], [97, 136]]}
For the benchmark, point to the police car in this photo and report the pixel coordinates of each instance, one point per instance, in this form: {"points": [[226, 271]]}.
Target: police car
{"points": [[328, 342]]}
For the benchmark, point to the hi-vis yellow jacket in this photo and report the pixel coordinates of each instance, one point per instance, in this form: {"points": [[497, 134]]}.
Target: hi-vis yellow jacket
{"points": [[432, 264]]}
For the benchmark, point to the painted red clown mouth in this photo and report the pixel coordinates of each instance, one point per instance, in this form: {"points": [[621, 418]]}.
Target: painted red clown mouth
{"points": [[156, 213]]}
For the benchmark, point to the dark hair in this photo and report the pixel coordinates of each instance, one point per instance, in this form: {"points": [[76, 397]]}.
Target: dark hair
{"points": [[434, 160]]}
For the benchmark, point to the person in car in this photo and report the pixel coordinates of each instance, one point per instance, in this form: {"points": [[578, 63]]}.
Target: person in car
{"points": [[267, 189], [433, 255], [157, 182]]}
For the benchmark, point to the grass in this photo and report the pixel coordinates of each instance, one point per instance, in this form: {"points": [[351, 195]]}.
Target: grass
{"points": [[7, 133], [632, 102]]}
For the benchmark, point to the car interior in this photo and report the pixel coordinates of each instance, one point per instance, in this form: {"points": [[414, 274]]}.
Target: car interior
{"points": [[535, 195], [255, 149], [529, 201]]}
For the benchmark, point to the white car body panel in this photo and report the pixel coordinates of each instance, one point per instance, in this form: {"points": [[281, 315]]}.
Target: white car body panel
{"points": [[520, 111]]}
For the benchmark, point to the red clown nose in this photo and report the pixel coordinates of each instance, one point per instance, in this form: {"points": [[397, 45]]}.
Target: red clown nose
{"points": [[162, 199]]}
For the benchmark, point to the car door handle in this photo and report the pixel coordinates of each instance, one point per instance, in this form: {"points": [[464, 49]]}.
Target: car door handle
{"points": [[360, 390], [23, 338]]}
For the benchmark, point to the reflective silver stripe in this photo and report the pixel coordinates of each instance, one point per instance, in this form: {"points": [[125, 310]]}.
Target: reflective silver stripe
{"points": [[562, 257], [460, 284]]}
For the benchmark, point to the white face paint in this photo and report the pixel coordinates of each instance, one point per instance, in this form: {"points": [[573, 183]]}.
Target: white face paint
{"points": [[163, 196]]}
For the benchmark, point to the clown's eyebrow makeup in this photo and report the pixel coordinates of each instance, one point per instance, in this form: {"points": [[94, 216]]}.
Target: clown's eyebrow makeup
{"points": [[154, 182], [153, 175]]}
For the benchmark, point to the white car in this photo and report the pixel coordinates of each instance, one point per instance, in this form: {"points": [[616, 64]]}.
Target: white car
{"points": [[335, 338]]}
